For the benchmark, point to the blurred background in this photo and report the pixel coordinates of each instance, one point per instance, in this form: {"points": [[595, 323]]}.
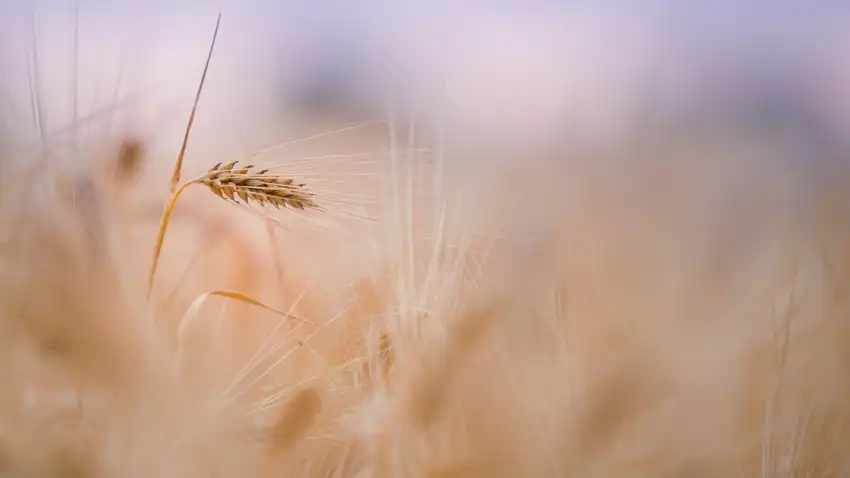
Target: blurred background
{"points": [[663, 188], [503, 74]]}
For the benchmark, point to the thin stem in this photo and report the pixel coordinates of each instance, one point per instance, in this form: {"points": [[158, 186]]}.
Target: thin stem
{"points": [[163, 226], [175, 178]]}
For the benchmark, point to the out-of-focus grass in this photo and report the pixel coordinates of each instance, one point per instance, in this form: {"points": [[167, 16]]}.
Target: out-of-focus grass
{"points": [[583, 321], [667, 303]]}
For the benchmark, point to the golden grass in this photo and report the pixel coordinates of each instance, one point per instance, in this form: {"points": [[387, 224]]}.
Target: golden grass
{"points": [[618, 350], [632, 323]]}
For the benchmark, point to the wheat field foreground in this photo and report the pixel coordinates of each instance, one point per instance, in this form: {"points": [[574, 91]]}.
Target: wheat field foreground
{"points": [[357, 300], [608, 315]]}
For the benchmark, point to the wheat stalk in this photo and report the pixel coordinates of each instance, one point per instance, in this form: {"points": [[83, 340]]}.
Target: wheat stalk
{"points": [[242, 187], [178, 166]]}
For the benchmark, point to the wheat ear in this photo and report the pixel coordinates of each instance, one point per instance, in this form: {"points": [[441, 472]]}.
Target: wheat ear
{"points": [[239, 186]]}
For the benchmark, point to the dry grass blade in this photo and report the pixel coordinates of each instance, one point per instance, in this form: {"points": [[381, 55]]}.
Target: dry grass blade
{"points": [[192, 313], [175, 179], [238, 186], [163, 226]]}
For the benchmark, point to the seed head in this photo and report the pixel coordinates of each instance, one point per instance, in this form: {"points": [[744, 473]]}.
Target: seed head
{"points": [[243, 186]]}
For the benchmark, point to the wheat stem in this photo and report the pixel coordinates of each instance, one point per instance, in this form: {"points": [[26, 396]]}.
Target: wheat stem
{"points": [[163, 226], [175, 178]]}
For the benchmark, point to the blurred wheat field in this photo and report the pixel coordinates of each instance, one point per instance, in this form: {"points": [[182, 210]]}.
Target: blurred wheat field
{"points": [[668, 301]]}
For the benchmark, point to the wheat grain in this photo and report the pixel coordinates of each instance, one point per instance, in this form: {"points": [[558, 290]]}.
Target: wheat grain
{"points": [[242, 185]]}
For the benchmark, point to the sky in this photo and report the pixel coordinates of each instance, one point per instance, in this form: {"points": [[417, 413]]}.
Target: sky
{"points": [[492, 68]]}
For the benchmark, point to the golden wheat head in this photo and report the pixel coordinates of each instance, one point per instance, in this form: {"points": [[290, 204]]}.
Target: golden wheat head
{"points": [[243, 186]]}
